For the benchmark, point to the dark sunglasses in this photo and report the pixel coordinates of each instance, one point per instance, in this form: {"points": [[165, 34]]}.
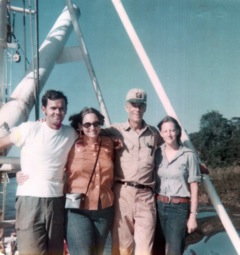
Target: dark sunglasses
{"points": [[88, 124]]}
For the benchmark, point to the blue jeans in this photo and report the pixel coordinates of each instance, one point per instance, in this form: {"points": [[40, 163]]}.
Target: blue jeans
{"points": [[87, 230], [173, 225]]}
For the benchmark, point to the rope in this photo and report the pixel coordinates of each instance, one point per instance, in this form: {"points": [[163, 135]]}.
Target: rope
{"points": [[37, 59], [24, 36]]}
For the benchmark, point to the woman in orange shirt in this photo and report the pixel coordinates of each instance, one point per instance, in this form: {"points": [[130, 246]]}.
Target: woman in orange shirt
{"points": [[91, 155]]}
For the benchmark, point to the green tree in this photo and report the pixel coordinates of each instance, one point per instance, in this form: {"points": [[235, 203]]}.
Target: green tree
{"points": [[218, 141]]}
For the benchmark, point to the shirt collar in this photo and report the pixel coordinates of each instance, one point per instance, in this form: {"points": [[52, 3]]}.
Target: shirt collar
{"points": [[127, 127], [182, 150]]}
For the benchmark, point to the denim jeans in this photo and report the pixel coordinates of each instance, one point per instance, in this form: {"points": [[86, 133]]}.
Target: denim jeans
{"points": [[173, 225], [87, 230]]}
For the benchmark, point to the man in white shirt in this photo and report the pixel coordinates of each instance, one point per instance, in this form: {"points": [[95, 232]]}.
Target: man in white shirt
{"points": [[40, 202]]}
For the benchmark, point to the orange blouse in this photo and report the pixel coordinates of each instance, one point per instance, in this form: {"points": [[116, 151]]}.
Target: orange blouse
{"points": [[79, 167]]}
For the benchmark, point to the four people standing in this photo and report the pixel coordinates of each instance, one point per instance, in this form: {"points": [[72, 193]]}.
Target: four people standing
{"points": [[134, 182]]}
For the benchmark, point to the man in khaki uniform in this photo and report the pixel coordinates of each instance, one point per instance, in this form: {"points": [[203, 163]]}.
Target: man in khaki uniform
{"points": [[135, 213]]}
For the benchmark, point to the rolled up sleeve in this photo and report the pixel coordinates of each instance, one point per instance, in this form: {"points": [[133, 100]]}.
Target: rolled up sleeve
{"points": [[194, 169]]}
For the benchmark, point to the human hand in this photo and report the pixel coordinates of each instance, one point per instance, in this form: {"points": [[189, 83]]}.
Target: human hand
{"points": [[21, 177], [203, 168], [192, 223], [118, 143]]}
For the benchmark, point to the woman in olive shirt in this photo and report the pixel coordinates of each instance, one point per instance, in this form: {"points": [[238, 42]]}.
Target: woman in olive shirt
{"points": [[87, 228], [178, 174]]}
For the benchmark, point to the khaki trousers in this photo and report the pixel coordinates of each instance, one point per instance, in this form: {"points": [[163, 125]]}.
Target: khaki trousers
{"points": [[134, 220]]}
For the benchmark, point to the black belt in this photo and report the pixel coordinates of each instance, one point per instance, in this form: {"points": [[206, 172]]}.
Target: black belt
{"points": [[134, 184]]}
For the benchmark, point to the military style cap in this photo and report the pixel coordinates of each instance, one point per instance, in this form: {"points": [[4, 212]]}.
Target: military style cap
{"points": [[136, 96]]}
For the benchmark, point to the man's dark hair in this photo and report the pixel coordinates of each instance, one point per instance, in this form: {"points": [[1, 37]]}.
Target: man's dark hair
{"points": [[53, 95]]}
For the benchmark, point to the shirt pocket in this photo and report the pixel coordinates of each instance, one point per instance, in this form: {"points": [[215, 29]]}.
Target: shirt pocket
{"points": [[183, 170]]}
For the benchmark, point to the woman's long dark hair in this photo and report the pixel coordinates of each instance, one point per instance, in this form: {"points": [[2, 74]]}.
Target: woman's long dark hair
{"points": [[76, 119], [176, 124]]}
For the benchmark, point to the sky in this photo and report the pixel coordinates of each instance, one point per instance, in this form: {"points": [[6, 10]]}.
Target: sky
{"points": [[192, 45]]}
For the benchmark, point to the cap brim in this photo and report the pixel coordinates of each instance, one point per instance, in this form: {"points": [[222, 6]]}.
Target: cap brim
{"points": [[136, 101]]}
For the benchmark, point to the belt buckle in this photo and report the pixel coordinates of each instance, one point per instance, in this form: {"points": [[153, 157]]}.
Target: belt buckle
{"points": [[169, 200], [134, 184]]}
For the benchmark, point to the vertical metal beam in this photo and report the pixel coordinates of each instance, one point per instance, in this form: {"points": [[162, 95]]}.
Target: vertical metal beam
{"points": [[3, 43], [37, 105], [88, 63], [232, 233], [17, 109]]}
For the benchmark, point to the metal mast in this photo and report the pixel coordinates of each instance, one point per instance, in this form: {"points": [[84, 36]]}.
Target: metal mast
{"points": [[3, 24], [170, 111], [88, 63]]}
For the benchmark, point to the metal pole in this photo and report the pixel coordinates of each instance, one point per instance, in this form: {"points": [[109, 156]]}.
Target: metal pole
{"points": [[88, 63], [17, 109], [169, 109], [19, 9], [3, 44], [9, 160], [37, 62], [227, 223], [145, 61]]}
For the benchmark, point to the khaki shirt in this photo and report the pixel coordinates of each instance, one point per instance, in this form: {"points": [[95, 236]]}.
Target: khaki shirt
{"points": [[135, 161], [79, 168]]}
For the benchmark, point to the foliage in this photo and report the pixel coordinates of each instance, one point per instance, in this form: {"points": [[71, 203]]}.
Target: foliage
{"points": [[218, 141]]}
